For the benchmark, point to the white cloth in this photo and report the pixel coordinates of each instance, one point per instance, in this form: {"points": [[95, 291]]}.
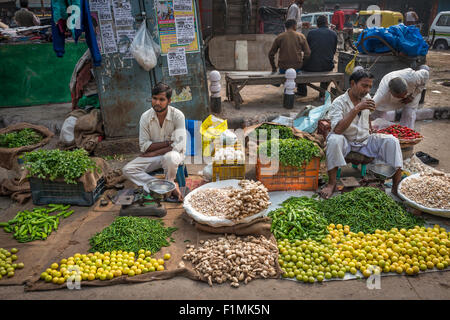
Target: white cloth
{"points": [[358, 130], [416, 81], [384, 101], [173, 129], [136, 170], [384, 148], [294, 12]]}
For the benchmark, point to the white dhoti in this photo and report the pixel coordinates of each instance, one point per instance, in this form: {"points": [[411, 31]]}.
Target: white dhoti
{"points": [[384, 148], [136, 170]]}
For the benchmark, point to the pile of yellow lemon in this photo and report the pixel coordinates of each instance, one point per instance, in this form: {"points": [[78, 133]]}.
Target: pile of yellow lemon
{"points": [[401, 251], [103, 266]]}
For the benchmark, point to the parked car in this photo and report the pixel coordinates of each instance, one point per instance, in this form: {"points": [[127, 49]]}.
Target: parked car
{"points": [[440, 29], [310, 19]]}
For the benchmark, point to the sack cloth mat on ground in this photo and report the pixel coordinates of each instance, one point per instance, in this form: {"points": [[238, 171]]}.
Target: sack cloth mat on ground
{"points": [[17, 188], [73, 237], [8, 155]]}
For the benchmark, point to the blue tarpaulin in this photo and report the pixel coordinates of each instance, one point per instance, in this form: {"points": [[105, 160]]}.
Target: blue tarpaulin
{"points": [[405, 39]]}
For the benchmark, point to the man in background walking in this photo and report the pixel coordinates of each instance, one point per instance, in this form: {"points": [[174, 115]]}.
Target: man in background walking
{"points": [[295, 12], [411, 17], [338, 20]]}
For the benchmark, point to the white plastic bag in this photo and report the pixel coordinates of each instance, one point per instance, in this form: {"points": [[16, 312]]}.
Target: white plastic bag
{"points": [[144, 49], [67, 130], [228, 138]]}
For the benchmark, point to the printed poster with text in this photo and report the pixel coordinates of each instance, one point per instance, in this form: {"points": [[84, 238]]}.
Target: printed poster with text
{"points": [[177, 25]]}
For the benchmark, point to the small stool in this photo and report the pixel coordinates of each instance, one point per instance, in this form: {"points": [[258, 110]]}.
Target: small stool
{"points": [[355, 166]]}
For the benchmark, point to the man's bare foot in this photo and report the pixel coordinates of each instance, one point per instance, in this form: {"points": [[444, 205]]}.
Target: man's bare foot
{"points": [[327, 191], [177, 192]]}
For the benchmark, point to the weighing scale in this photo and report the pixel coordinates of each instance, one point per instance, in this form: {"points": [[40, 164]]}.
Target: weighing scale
{"points": [[141, 203]]}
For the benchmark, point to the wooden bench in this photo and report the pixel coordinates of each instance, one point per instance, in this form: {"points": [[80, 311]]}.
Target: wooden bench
{"points": [[236, 81]]}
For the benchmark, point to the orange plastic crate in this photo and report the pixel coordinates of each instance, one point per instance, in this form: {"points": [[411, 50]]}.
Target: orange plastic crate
{"points": [[289, 178]]}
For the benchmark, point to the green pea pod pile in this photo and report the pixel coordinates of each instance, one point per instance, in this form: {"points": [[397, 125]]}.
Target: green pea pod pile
{"points": [[367, 209], [37, 224], [298, 218], [132, 234]]}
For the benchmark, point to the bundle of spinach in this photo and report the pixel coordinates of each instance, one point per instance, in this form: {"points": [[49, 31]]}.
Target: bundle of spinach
{"points": [[298, 218], [132, 234], [53, 164], [283, 132], [291, 152], [21, 138], [367, 209]]}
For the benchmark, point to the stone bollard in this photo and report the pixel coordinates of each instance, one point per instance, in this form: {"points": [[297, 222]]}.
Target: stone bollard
{"points": [[289, 86], [216, 105]]}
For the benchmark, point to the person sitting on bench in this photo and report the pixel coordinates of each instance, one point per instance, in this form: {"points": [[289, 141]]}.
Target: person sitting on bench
{"points": [[162, 141], [292, 49], [322, 42], [350, 131]]}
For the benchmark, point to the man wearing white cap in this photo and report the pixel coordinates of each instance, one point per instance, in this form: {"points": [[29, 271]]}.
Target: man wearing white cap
{"points": [[401, 89]]}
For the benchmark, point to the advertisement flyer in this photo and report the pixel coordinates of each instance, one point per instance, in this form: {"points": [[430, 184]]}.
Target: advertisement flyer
{"points": [[109, 41], [124, 40], [176, 60], [122, 13], [182, 5], [176, 28], [103, 7]]}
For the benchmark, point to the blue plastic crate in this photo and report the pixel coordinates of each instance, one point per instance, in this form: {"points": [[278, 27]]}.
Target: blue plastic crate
{"points": [[193, 127], [45, 192]]}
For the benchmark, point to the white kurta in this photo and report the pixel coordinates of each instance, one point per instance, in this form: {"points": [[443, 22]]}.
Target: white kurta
{"points": [[384, 101], [150, 131], [357, 138], [295, 13]]}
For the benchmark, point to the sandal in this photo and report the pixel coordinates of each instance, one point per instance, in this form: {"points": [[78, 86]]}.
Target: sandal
{"points": [[426, 158]]}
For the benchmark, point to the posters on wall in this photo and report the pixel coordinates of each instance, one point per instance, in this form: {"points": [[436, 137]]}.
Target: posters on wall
{"points": [[176, 61], [108, 39], [177, 28]]}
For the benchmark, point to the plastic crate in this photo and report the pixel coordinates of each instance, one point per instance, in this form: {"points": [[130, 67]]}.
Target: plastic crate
{"points": [[289, 178], [226, 169], [45, 192]]}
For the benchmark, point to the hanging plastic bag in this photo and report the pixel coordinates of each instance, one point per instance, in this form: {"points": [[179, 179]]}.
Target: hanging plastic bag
{"points": [[144, 49], [351, 65]]}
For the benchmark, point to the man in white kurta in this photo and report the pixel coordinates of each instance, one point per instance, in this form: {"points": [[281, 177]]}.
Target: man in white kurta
{"points": [[350, 131], [162, 140], [295, 13], [401, 89]]}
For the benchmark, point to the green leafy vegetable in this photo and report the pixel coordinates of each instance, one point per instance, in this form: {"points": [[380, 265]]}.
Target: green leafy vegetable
{"points": [[21, 138], [53, 164], [283, 132], [291, 152]]}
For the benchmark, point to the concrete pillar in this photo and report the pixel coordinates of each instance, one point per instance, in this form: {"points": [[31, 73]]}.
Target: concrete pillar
{"points": [[216, 104], [289, 86]]}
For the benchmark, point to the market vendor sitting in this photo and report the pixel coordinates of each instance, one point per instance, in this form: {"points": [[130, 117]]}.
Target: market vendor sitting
{"points": [[162, 141], [401, 89], [350, 131]]}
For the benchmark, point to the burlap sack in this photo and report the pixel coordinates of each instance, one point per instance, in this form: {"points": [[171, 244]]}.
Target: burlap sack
{"points": [[8, 156], [17, 188], [84, 223], [259, 226], [88, 129]]}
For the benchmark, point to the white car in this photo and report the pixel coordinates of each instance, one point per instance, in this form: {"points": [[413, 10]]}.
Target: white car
{"points": [[441, 29], [311, 18]]}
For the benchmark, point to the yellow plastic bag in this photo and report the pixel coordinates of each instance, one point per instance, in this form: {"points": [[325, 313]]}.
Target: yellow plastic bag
{"points": [[211, 129], [351, 65]]}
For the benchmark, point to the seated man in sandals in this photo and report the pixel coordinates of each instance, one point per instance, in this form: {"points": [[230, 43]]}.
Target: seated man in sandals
{"points": [[350, 131], [162, 141]]}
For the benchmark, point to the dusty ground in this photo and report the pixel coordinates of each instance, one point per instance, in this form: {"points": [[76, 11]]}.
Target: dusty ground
{"points": [[260, 103]]}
